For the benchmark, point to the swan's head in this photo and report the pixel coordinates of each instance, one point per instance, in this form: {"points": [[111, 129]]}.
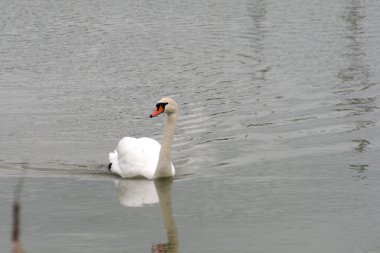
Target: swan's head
{"points": [[167, 105]]}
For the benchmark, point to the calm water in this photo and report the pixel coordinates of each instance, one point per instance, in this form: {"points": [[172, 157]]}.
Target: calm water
{"points": [[277, 145]]}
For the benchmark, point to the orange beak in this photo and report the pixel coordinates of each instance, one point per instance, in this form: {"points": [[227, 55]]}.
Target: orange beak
{"points": [[158, 111]]}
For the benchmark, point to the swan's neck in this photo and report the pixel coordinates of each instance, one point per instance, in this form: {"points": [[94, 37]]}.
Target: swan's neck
{"points": [[164, 165]]}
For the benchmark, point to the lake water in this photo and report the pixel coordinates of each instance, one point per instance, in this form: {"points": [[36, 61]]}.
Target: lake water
{"points": [[277, 143]]}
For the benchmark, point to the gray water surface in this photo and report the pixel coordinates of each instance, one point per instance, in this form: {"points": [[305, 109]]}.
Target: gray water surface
{"points": [[277, 143]]}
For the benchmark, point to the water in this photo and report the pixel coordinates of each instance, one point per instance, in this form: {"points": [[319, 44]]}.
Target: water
{"points": [[277, 142]]}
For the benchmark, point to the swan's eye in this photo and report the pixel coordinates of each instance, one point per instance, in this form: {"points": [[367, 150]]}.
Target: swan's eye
{"points": [[158, 105]]}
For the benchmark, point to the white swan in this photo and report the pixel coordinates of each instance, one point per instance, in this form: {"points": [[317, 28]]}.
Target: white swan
{"points": [[144, 156]]}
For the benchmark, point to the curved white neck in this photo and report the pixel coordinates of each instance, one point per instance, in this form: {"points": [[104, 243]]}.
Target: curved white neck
{"points": [[164, 165]]}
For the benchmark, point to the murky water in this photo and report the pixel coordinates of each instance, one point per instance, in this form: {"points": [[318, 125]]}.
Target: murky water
{"points": [[277, 142]]}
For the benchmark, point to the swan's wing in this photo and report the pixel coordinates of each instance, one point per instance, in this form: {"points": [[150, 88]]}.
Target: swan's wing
{"points": [[151, 153], [137, 157], [130, 157]]}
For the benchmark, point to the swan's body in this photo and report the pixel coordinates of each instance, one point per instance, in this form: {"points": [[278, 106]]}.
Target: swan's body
{"points": [[145, 157], [136, 157]]}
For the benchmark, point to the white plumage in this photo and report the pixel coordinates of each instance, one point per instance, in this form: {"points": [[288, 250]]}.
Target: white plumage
{"points": [[145, 157], [136, 157]]}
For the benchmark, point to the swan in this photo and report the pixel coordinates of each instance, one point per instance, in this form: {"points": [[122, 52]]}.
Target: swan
{"points": [[145, 157]]}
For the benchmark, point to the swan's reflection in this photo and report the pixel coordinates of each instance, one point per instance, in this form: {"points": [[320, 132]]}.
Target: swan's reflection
{"points": [[164, 190], [137, 193]]}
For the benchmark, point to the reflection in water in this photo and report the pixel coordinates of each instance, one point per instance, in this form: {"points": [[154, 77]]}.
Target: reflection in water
{"points": [[360, 169], [357, 106], [164, 189], [355, 79], [137, 193], [355, 76], [361, 145], [16, 227], [257, 12], [17, 246]]}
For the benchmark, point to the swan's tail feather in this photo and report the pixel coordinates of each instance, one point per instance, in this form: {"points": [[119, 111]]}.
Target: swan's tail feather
{"points": [[113, 158]]}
